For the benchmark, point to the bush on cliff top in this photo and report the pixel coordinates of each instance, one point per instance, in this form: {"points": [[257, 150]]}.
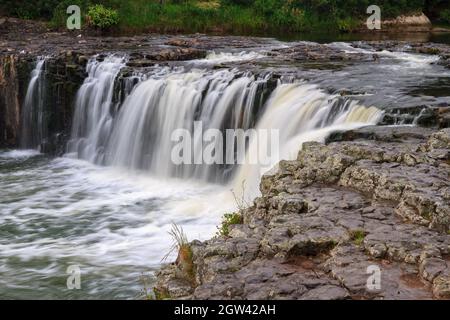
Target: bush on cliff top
{"points": [[445, 16], [102, 17]]}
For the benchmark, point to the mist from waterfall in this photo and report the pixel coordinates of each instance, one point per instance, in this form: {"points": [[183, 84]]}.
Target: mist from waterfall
{"points": [[33, 129]]}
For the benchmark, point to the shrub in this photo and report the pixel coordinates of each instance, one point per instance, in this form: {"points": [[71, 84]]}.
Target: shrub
{"points": [[445, 16], [60, 12], [238, 2], [229, 219], [102, 17]]}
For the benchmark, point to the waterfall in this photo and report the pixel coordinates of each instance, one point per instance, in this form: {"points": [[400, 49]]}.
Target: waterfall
{"points": [[33, 129], [94, 108], [138, 133], [141, 137], [301, 112]]}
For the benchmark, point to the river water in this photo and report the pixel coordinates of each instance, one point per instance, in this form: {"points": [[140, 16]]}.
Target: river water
{"points": [[108, 204]]}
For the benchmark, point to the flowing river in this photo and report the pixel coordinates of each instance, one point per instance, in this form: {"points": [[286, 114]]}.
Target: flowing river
{"points": [[107, 205]]}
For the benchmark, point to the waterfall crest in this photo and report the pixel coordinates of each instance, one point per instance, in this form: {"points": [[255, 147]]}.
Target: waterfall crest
{"points": [[94, 108], [33, 130]]}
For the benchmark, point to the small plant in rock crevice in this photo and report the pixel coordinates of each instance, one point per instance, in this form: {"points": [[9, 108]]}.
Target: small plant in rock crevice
{"points": [[234, 218], [185, 257], [357, 236], [160, 294], [228, 220]]}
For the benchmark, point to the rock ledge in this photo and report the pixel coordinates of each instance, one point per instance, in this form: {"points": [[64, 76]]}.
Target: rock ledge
{"points": [[376, 197]]}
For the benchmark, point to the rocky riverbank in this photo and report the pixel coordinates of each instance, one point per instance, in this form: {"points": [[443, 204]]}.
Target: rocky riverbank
{"points": [[377, 196]]}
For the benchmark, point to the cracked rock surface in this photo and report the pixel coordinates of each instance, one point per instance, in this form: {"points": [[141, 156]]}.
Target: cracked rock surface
{"points": [[376, 198]]}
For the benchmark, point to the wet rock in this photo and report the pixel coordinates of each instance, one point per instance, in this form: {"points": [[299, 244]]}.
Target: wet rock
{"points": [[314, 52], [425, 116], [9, 100]]}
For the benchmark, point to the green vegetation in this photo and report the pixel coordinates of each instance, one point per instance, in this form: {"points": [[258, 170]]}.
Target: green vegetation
{"points": [[357, 236], [59, 15], [185, 258], [445, 16], [231, 16], [101, 17], [228, 220], [160, 295]]}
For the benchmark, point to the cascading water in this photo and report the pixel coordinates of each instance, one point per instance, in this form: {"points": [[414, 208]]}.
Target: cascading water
{"points": [[142, 134], [138, 134], [33, 130], [301, 112], [139, 137], [94, 108]]}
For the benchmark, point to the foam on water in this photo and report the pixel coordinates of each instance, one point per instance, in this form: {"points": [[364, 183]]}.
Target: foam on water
{"points": [[15, 154], [108, 221], [222, 57]]}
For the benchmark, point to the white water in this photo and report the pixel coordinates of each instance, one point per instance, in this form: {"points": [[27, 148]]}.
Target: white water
{"points": [[301, 113], [19, 154], [139, 135], [407, 60], [112, 223], [224, 57], [93, 115], [33, 129]]}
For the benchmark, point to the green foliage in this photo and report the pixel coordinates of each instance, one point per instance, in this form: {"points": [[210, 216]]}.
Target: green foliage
{"points": [[161, 294], [228, 220], [357, 236], [28, 9], [238, 2], [60, 15], [237, 16], [102, 17], [347, 24], [445, 16]]}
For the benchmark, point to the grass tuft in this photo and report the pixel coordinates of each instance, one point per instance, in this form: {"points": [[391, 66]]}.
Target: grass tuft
{"points": [[185, 258], [357, 236]]}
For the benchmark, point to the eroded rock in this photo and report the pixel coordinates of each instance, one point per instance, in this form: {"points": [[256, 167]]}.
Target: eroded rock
{"points": [[373, 197]]}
